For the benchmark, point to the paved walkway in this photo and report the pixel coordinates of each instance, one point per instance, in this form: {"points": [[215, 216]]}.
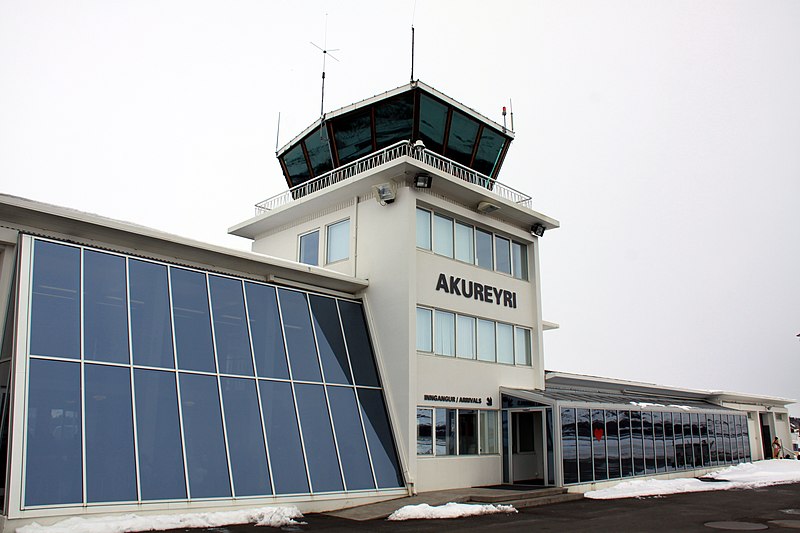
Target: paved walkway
{"points": [[375, 511], [775, 508]]}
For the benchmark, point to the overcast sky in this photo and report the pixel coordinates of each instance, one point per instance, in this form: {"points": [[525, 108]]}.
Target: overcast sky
{"points": [[665, 137]]}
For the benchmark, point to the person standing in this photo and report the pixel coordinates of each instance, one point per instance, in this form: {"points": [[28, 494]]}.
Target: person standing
{"points": [[776, 448]]}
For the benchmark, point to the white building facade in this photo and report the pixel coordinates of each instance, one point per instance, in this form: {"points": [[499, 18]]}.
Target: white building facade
{"points": [[383, 337]]}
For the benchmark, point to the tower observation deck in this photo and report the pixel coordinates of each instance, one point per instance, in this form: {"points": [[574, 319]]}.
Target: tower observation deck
{"points": [[413, 112]]}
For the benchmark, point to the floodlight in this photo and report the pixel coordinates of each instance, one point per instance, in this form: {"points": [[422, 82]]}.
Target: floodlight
{"points": [[423, 181], [487, 207], [384, 193], [538, 230]]}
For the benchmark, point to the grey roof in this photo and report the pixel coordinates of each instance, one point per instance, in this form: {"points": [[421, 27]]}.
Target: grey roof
{"points": [[605, 399]]}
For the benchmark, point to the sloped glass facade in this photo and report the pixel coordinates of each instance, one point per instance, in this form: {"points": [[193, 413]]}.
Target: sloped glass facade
{"points": [[152, 382]]}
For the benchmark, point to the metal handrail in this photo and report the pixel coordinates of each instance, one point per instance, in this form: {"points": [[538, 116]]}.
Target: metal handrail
{"points": [[385, 155]]}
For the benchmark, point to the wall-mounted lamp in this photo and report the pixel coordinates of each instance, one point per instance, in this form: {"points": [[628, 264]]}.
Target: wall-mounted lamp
{"points": [[384, 193], [487, 207], [423, 181], [538, 230]]}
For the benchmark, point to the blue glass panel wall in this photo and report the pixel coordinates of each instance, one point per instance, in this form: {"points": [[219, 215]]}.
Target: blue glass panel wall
{"points": [[53, 459], [204, 433], [151, 323], [110, 459], [358, 345], [205, 442], [105, 308], [245, 437], [350, 438], [265, 331], [55, 303], [285, 448], [299, 336], [330, 340], [192, 321], [230, 326], [323, 462], [158, 432], [379, 436]]}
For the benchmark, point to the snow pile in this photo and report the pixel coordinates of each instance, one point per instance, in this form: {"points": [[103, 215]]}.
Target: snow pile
{"points": [[742, 476], [448, 510], [263, 516]]}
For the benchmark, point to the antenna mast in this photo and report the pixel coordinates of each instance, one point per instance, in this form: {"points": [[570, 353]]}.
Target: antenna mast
{"points": [[278, 133], [413, 15], [511, 109], [325, 54], [412, 52]]}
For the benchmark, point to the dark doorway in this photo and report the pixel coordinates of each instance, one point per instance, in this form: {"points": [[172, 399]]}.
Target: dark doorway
{"points": [[766, 436]]}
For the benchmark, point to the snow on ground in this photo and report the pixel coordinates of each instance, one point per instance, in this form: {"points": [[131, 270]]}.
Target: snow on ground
{"points": [[263, 516], [742, 476], [448, 510]]}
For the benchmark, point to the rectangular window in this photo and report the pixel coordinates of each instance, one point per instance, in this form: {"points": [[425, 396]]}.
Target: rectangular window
{"points": [[309, 248], [465, 243], [423, 229], [424, 432], [505, 343], [503, 249], [445, 337], [445, 431], [424, 330], [467, 432], [465, 341], [519, 260], [488, 441], [486, 340], [483, 249], [522, 348], [443, 235], [338, 242]]}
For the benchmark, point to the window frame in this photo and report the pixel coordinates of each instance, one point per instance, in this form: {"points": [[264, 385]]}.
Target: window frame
{"points": [[328, 239], [300, 238], [430, 226], [481, 415]]}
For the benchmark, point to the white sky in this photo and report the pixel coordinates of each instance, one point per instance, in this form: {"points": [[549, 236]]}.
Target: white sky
{"points": [[665, 136]]}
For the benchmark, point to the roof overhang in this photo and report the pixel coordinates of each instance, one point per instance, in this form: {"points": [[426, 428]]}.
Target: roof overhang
{"points": [[28, 216]]}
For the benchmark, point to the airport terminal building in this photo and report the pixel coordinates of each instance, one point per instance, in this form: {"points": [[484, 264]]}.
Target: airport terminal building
{"points": [[383, 337]]}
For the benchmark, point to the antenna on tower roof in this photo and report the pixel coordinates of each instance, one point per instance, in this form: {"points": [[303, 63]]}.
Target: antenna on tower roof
{"points": [[511, 110], [325, 54], [412, 52], [413, 14], [278, 133]]}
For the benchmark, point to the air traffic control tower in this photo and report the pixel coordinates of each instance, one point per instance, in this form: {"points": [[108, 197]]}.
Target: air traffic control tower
{"points": [[401, 190]]}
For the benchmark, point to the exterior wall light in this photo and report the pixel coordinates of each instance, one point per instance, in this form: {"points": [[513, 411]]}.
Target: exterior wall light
{"points": [[423, 181], [537, 229], [487, 207], [384, 193]]}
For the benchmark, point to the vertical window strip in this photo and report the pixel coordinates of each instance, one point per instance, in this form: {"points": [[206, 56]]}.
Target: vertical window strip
{"points": [[325, 391], [358, 401], [219, 386], [258, 391]]}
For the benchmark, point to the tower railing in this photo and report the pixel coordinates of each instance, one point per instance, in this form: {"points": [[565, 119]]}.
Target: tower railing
{"points": [[385, 155]]}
